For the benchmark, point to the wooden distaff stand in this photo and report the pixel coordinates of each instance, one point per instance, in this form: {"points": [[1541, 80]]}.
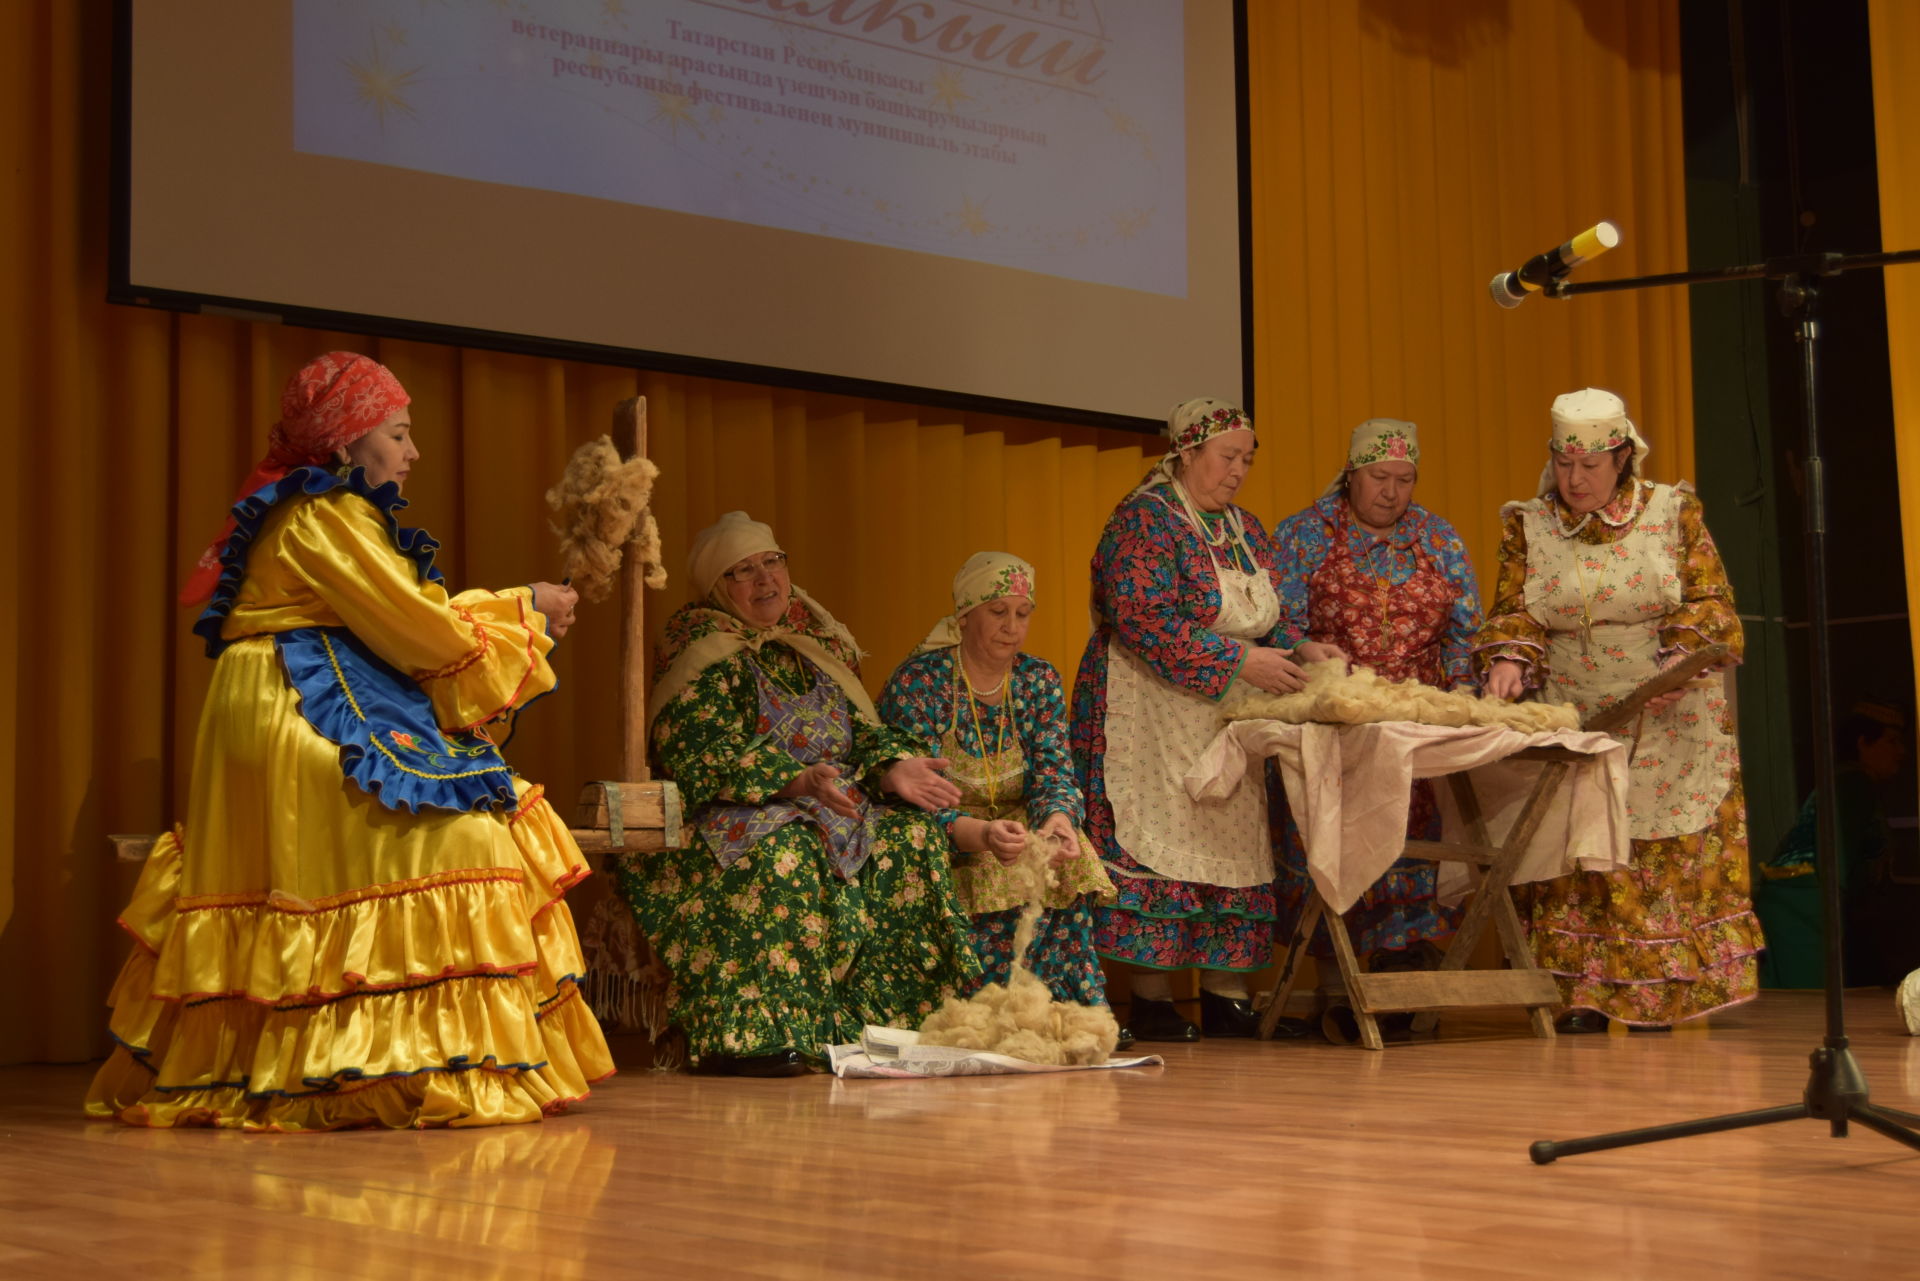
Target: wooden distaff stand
{"points": [[633, 813], [1453, 985]]}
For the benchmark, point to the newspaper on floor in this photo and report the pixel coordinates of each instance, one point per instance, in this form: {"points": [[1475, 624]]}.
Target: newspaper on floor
{"points": [[897, 1052]]}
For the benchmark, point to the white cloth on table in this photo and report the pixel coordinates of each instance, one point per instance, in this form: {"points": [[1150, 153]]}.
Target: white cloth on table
{"points": [[1350, 787]]}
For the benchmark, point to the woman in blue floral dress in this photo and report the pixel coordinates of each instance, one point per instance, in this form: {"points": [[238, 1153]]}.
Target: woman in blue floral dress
{"points": [[969, 696], [1185, 602], [1369, 570], [801, 908]]}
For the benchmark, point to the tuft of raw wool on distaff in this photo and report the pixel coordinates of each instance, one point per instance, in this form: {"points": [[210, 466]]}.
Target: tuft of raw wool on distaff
{"points": [[1020, 1018], [599, 506], [1361, 697]]}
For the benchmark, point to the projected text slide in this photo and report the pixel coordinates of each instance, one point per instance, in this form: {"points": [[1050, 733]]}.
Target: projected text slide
{"points": [[1043, 135]]}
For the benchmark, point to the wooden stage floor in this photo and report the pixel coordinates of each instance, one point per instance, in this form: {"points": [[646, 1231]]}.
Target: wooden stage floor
{"points": [[1235, 1160]]}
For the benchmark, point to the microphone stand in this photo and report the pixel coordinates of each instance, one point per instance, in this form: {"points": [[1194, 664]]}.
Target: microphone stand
{"points": [[1836, 1089]]}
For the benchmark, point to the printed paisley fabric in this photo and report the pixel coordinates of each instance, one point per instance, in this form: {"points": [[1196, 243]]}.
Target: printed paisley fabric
{"points": [[812, 727]]}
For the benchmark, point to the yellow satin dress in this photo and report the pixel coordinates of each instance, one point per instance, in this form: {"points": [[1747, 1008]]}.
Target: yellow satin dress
{"points": [[307, 958]]}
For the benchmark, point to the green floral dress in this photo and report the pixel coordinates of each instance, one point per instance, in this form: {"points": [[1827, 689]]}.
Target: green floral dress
{"points": [[781, 924]]}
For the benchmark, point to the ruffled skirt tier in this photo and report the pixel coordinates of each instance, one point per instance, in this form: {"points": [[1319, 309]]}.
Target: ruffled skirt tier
{"points": [[435, 986]]}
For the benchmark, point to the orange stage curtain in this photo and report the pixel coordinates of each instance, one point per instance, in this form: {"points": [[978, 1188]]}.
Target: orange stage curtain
{"points": [[1402, 151], [1896, 127]]}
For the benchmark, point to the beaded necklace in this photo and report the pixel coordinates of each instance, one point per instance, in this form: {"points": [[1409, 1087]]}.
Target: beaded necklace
{"points": [[1587, 599], [1376, 543], [999, 756]]}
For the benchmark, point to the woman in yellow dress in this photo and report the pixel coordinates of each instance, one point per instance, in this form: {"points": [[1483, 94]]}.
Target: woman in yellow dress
{"points": [[360, 922]]}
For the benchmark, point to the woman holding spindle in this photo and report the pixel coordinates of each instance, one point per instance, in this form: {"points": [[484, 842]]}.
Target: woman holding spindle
{"points": [[361, 922], [1371, 571], [802, 907], [970, 696], [1184, 603], [1606, 579]]}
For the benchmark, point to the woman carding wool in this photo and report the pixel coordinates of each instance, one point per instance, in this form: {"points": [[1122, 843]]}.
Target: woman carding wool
{"points": [[801, 909], [361, 922], [1371, 571], [1605, 579], [971, 696], [1184, 603]]}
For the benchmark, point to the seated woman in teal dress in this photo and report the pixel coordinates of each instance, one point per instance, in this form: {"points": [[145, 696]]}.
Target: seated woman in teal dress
{"points": [[801, 907], [999, 716]]}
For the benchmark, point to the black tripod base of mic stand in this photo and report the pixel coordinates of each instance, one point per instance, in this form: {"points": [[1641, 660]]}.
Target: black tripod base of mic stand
{"points": [[1836, 1093]]}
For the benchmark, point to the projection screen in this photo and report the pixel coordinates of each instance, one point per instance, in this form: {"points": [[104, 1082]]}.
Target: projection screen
{"points": [[1032, 206]]}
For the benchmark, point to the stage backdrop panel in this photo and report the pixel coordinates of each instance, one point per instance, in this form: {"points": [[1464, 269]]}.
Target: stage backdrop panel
{"points": [[1031, 201], [1896, 128], [1372, 124]]}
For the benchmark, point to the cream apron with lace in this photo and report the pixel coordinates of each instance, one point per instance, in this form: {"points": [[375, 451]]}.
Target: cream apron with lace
{"points": [[1682, 759], [1156, 731]]}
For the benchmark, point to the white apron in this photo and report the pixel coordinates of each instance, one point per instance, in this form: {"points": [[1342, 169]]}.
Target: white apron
{"points": [[1155, 734], [1682, 761]]}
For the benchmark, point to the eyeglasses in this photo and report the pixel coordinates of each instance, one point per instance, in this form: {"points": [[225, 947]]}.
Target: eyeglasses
{"points": [[773, 562]]}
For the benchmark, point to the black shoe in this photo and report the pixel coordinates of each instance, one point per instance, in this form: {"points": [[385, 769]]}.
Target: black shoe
{"points": [[1227, 1015], [1342, 1027], [779, 1063], [1159, 1021], [1395, 1027], [1649, 1027], [1125, 1041], [1339, 1026], [1286, 1028], [1580, 1022]]}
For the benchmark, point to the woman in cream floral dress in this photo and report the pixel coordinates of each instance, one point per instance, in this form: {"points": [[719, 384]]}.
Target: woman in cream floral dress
{"points": [[1605, 579]]}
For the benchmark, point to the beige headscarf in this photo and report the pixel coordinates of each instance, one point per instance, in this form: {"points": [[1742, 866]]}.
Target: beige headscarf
{"points": [[1378, 440], [986, 576], [1190, 424], [721, 545], [1591, 421]]}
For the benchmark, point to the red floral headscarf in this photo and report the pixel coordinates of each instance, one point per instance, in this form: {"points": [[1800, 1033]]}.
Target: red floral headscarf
{"points": [[330, 402]]}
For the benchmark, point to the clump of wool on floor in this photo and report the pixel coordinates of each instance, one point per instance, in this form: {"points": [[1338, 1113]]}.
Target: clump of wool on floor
{"points": [[1020, 1018]]}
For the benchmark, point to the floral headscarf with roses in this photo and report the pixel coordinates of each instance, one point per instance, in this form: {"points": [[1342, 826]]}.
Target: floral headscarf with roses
{"points": [[1591, 421], [1190, 425], [986, 576], [1378, 440]]}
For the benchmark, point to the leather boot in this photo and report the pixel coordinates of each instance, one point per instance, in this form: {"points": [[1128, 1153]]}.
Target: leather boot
{"points": [[1159, 1021]]}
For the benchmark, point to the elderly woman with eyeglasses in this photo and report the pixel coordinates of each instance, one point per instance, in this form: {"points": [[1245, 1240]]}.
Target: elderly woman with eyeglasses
{"points": [[803, 906], [1000, 717]]}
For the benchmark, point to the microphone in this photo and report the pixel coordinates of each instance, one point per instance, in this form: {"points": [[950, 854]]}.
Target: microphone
{"points": [[1510, 288]]}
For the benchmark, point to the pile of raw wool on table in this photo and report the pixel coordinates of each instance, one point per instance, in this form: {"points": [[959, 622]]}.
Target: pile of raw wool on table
{"points": [[1361, 697], [1020, 1018], [600, 505]]}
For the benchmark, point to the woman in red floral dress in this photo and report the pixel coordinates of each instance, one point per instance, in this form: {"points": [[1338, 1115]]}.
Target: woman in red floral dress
{"points": [[1371, 571]]}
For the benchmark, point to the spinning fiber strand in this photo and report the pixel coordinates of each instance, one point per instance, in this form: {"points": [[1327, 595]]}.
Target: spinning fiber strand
{"points": [[1020, 1018]]}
